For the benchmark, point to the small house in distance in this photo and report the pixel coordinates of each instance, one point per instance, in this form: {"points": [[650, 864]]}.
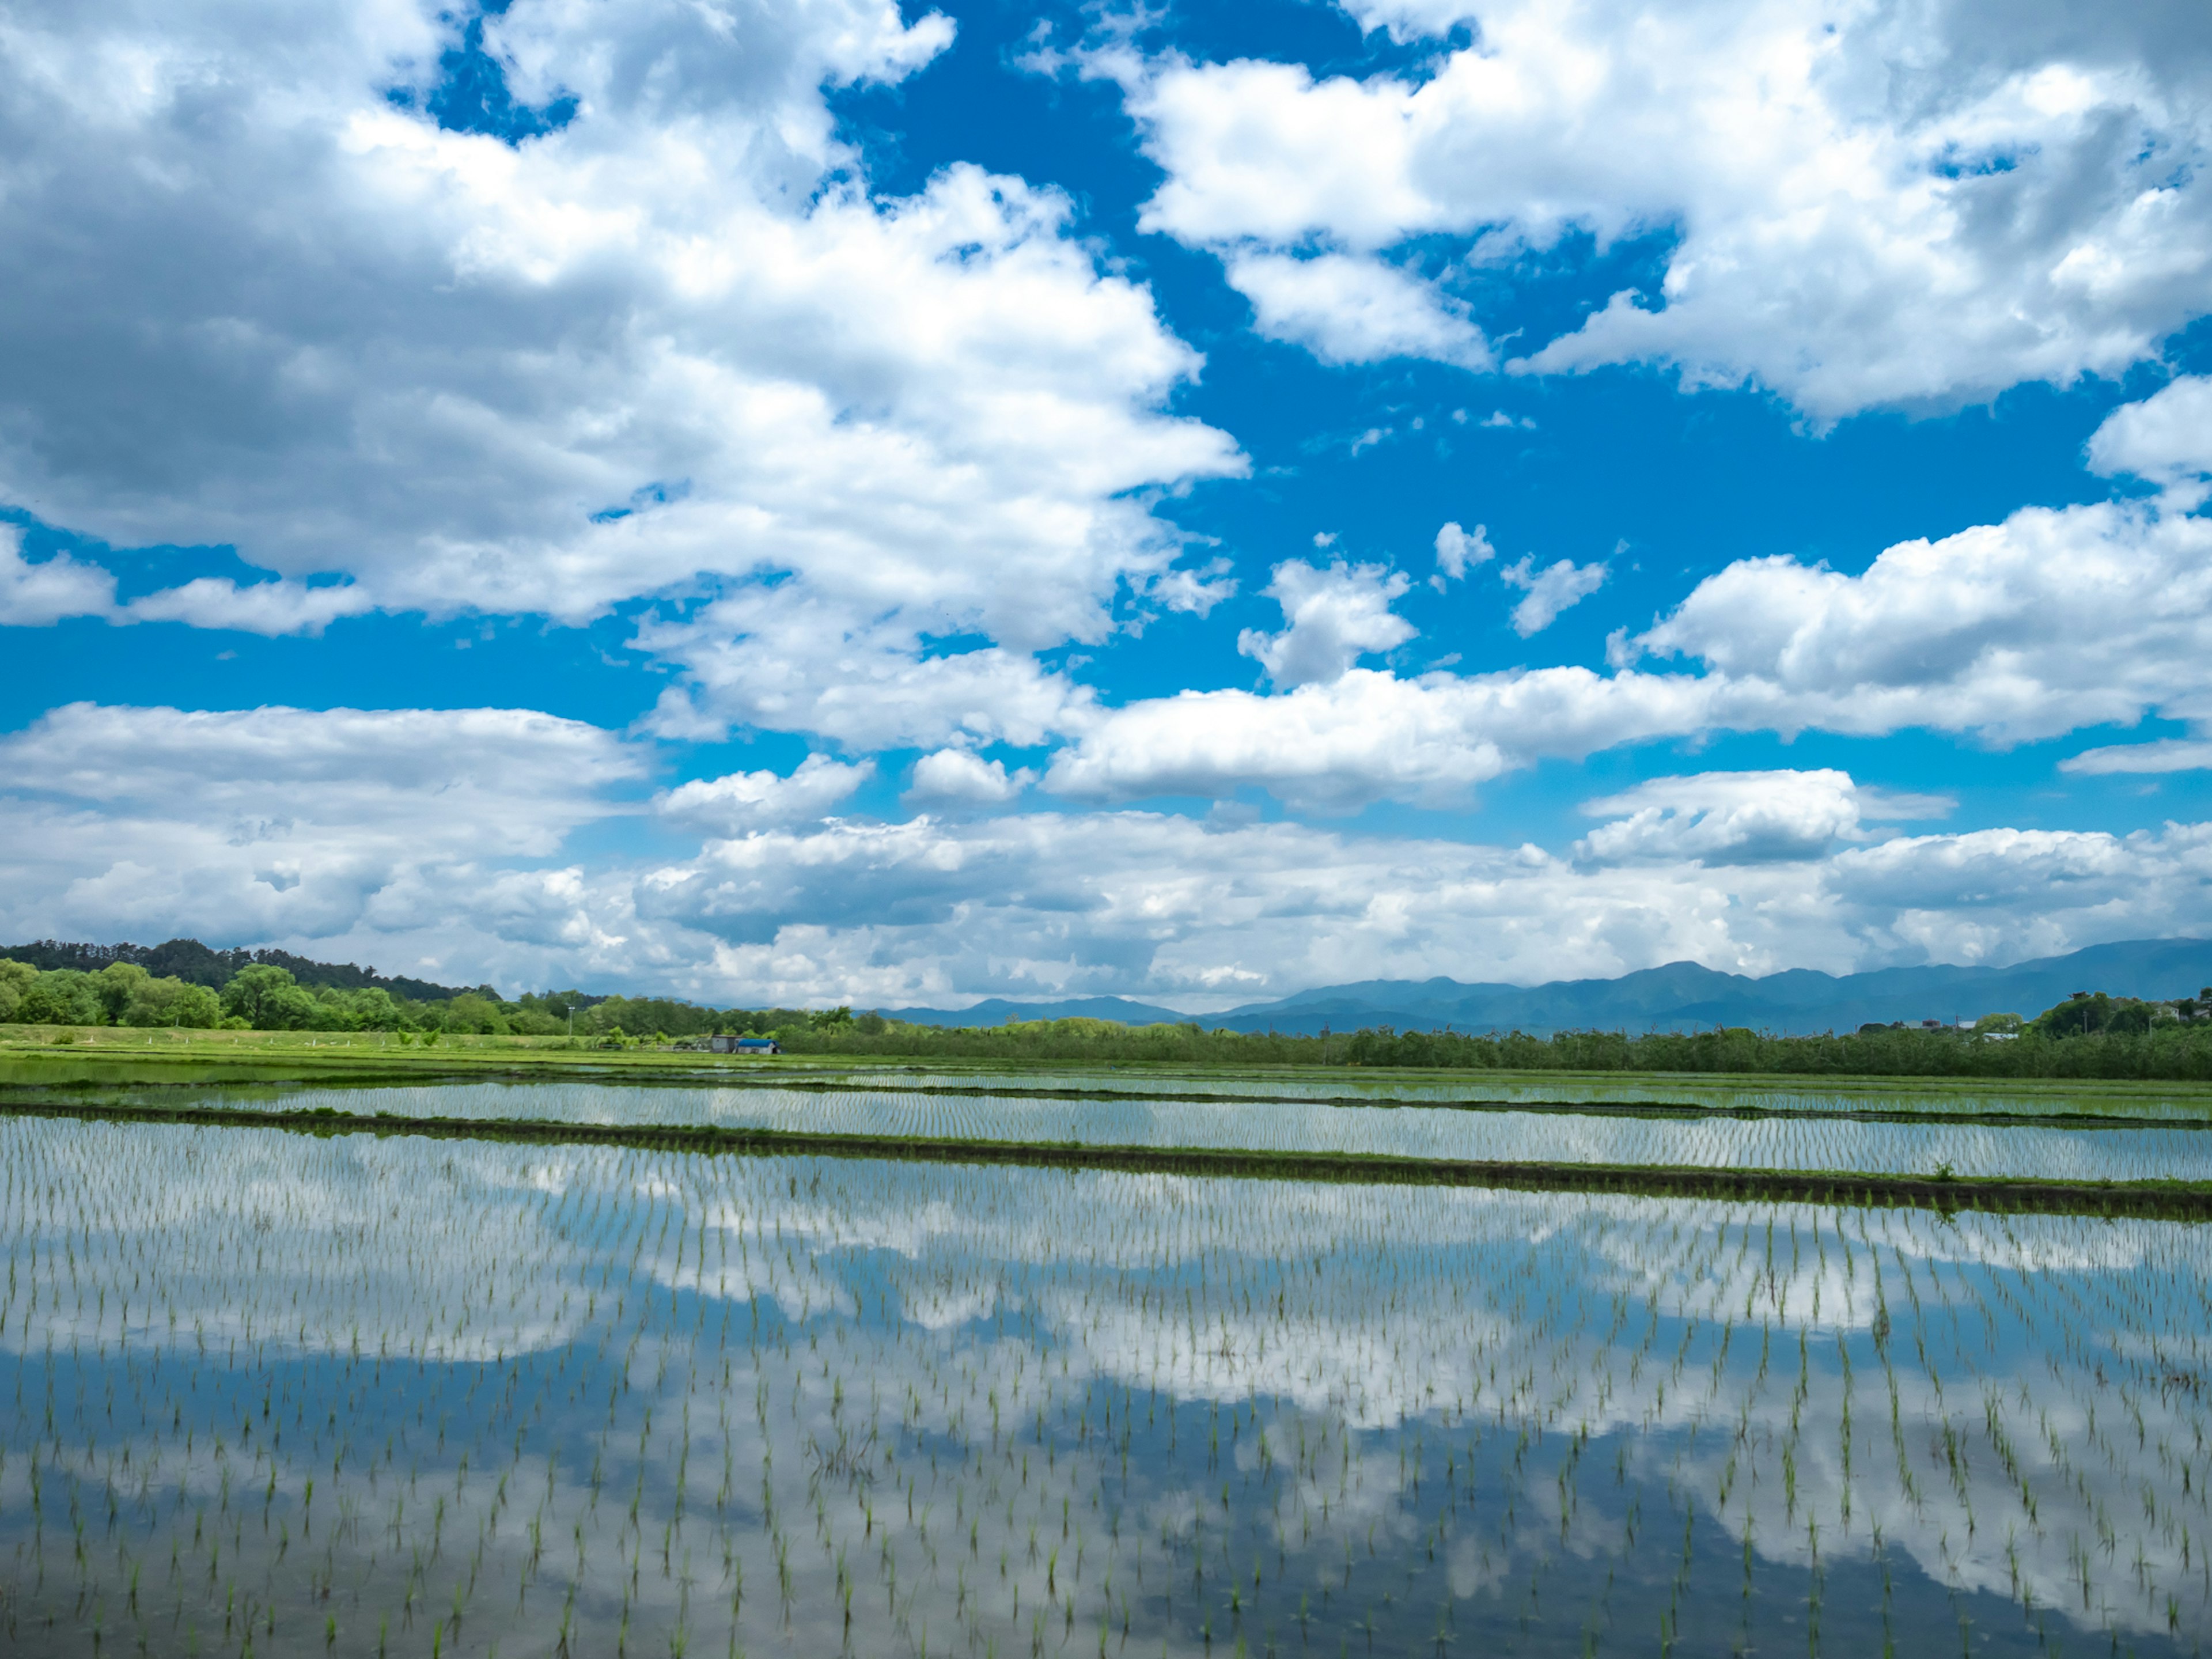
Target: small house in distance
{"points": [[744, 1045]]}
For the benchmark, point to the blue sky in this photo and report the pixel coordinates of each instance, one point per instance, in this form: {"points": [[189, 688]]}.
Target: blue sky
{"points": [[812, 504]]}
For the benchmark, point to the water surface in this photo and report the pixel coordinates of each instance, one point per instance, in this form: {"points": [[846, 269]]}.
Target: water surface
{"points": [[2175, 1151], [379, 1393]]}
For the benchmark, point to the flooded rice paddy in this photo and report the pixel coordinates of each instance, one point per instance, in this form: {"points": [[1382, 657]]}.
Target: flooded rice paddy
{"points": [[1388, 1086], [2174, 1150], [275, 1393]]}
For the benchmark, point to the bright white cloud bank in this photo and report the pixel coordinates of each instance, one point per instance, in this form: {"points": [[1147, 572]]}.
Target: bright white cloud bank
{"points": [[286, 823], [433, 842], [1859, 205], [1743, 818], [673, 347]]}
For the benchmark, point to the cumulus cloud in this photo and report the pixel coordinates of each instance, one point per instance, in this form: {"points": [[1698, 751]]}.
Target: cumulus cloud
{"points": [[427, 842], [1332, 618], [732, 805], [1743, 818], [958, 774], [2165, 439], [1858, 207], [2050, 621], [1134, 902], [1555, 588], [1457, 549], [1354, 310], [1337, 744], [673, 346], [35, 595], [292, 825], [796, 661]]}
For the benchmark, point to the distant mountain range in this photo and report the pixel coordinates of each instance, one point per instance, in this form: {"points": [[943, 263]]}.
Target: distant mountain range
{"points": [[1680, 996]]}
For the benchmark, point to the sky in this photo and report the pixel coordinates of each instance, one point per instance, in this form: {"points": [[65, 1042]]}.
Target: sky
{"points": [[828, 502]]}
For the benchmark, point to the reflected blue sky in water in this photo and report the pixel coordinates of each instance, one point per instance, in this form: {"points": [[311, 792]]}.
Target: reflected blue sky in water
{"points": [[643, 1397]]}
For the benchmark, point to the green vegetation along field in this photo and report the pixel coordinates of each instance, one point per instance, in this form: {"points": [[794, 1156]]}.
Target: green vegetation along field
{"points": [[2087, 1036]]}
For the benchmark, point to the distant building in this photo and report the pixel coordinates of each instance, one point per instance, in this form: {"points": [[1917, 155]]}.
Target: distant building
{"points": [[744, 1045]]}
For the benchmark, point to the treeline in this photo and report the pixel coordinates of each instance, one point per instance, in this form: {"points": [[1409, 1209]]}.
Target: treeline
{"points": [[195, 963], [2096, 1037], [2085, 1036], [262, 996]]}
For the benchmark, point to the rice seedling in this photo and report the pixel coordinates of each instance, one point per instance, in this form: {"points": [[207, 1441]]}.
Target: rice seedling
{"points": [[1936, 1147]]}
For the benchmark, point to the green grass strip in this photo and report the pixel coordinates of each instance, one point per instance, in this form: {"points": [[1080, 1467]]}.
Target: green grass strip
{"points": [[341, 1072], [2163, 1200]]}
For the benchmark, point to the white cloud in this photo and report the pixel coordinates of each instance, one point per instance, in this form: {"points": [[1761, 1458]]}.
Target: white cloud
{"points": [[1332, 618], [36, 595], [2167, 755], [2166, 439], [2016, 877], [417, 840], [2051, 621], [513, 775], [289, 825], [740, 801], [1456, 549], [957, 775], [798, 661], [1743, 818], [1194, 591], [674, 347], [1354, 310], [1367, 734], [39, 595], [2048, 622], [1131, 901], [1555, 588], [1866, 207], [271, 608]]}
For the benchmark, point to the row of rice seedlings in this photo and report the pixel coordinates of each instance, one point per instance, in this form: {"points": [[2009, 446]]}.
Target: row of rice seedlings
{"points": [[275, 1393], [1967, 1150], [2181, 1102]]}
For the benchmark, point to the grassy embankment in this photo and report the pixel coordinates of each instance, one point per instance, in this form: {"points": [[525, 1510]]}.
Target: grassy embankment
{"points": [[41, 1078], [45, 1057]]}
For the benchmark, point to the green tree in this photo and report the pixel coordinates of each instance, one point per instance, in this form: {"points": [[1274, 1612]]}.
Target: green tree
{"points": [[372, 1009], [171, 1002], [115, 985], [2084, 1015], [471, 1013], [16, 979], [269, 998], [62, 996]]}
